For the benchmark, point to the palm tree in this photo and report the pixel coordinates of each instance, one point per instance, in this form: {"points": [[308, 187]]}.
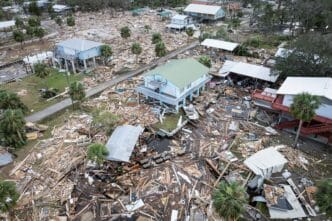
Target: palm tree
{"points": [[136, 49], [160, 49], [205, 60], [12, 128], [189, 32], [125, 32], [9, 100], [106, 52], [76, 92], [8, 196], [324, 196], [97, 153], [229, 200], [42, 71], [303, 108]]}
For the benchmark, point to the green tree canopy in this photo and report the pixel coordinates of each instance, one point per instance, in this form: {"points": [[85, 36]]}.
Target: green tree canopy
{"points": [[160, 49], [77, 92], [34, 21], [125, 32], [205, 60], [8, 195], [12, 128], [39, 32], [308, 57], [105, 120], [303, 108], [19, 23], [106, 52], [97, 153], [156, 37], [34, 9], [229, 200], [324, 196], [42, 71], [18, 36], [71, 21], [9, 100], [58, 20], [136, 49]]}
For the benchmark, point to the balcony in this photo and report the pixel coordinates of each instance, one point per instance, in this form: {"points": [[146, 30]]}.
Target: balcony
{"points": [[158, 96]]}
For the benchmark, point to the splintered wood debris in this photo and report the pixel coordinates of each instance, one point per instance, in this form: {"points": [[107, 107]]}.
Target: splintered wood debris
{"points": [[165, 178]]}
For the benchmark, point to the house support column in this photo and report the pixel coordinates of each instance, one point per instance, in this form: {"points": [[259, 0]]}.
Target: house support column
{"points": [[177, 108], [53, 62], [85, 66], [94, 61], [66, 64], [184, 102], [191, 96], [197, 92], [73, 65]]}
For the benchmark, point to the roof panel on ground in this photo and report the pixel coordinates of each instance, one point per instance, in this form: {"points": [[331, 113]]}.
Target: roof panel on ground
{"points": [[180, 72], [224, 45], [122, 142], [319, 86], [265, 162]]}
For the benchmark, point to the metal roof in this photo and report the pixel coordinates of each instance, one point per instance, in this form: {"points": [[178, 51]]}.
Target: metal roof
{"points": [[180, 72], [249, 70], [79, 44], [265, 162], [203, 9], [224, 45], [7, 24], [319, 86], [180, 17], [122, 142]]}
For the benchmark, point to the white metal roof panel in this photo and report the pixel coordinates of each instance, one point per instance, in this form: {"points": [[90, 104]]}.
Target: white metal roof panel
{"points": [[122, 142], [224, 45], [319, 86], [249, 70], [202, 9], [296, 212], [265, 162], [79, 44], [179, 17], [7, 24]]}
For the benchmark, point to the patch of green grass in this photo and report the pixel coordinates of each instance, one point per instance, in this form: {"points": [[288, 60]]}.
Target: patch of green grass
{"points": [[170, 122], [33, 84]]}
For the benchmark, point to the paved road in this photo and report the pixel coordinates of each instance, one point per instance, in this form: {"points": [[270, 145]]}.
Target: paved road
{"points": [[49, 111]]}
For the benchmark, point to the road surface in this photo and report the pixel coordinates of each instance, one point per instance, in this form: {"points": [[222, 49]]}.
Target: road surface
{"points": [[49, 111]]}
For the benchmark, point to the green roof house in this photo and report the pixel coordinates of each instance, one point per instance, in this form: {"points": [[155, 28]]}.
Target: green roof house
{"points": [[175, 81]]}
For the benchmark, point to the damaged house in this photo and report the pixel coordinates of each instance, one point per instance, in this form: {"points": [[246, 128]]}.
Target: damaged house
{"points": [[76, 54], [180, 22], [203, 12], [175, 81], [242, 73], [280, 100]]}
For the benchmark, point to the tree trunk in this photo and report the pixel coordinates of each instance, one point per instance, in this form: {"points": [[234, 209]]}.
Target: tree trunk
{"points": [[298, 134]]}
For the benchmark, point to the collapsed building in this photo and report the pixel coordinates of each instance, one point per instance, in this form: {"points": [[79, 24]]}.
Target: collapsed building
{"points": [[280, 100], [175, 81]]}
